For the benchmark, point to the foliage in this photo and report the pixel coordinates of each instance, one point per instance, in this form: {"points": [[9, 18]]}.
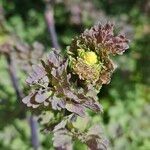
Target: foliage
{"points": [[56, 88]]}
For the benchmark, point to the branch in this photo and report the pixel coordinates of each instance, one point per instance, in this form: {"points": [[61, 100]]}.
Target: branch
{"points": [[49, 18], [13, 77], [34, 133]]}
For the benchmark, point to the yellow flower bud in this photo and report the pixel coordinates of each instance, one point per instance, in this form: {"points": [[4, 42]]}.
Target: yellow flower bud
{"points": [[90, 58]]}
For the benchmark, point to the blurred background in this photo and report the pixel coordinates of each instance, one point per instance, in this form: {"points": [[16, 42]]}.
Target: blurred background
{"points": [[126, 100]]}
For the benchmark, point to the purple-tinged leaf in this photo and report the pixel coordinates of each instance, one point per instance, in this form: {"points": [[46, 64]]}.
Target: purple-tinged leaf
{"points": [[62, 140], [95, 106], [76, 108], [40, 97], [26, 99], [61, 125], [57, 103], [69, 94], [38, 73], [53, 59], [46, 103], [95, 139]]}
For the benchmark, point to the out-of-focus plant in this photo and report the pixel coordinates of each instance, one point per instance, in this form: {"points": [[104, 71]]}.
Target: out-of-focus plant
{"points": [[64, 86], [19, 57]]}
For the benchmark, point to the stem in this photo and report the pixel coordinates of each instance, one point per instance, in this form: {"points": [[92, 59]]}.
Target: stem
{"points": [[20, 95], [49, 18], [13, 77], [34, 134]]}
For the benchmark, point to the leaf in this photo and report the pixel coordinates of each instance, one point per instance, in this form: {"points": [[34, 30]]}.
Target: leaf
{"points": [[95, 139], [36, 98], [95, 130], [61, 125], [95, 106], [54, 59], [57, 103], [37, 74], [26, 99], [97, 144], [62, 139], [40, 97], [75, 108], [69, 94]]}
